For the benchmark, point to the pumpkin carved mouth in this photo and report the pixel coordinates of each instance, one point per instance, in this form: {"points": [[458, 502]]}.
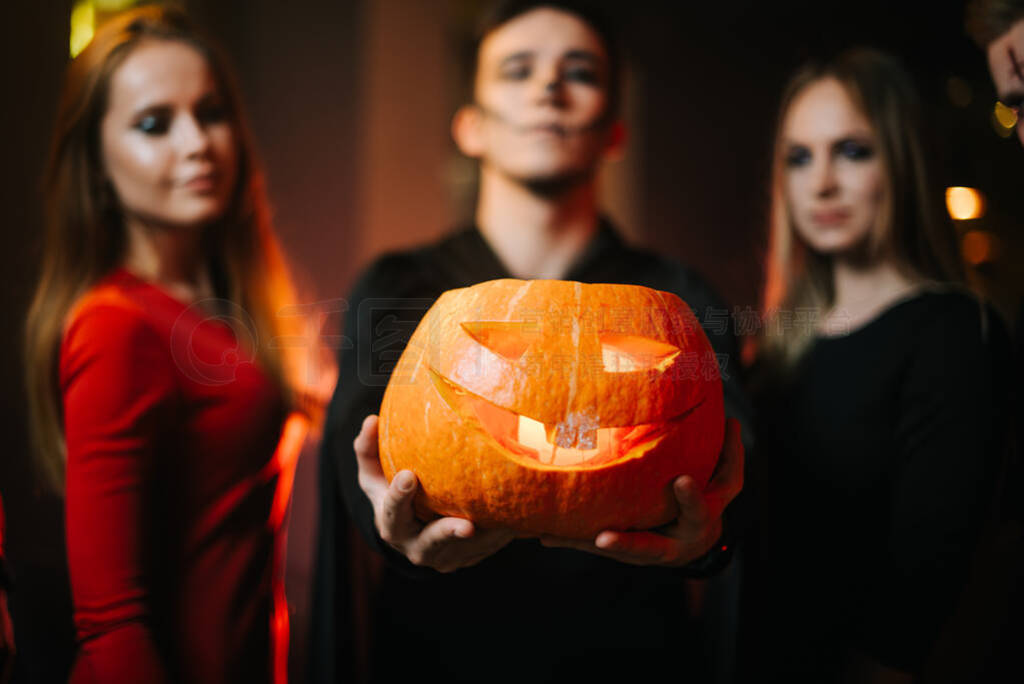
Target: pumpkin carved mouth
{"points": [[578, 441]]}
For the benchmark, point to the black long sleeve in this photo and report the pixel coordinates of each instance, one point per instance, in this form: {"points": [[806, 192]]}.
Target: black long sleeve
{"points": [[876, 474], [948, 445]]}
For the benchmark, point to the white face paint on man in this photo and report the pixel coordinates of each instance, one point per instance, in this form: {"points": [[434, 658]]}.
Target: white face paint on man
{"points": [[542, 95]]}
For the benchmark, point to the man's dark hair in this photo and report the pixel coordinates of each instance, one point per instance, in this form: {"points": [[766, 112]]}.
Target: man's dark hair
{"points": [[987, 20], [590, 12]]}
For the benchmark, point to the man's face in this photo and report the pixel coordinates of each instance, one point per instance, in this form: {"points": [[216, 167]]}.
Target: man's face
{"points": [[1006, 62], [542, 96]]}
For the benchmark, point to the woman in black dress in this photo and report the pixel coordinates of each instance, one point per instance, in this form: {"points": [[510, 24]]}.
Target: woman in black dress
{"points": [[877, 383]]}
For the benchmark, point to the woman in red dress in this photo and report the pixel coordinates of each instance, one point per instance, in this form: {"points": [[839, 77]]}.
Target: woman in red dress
{"points": [[158, 396]]}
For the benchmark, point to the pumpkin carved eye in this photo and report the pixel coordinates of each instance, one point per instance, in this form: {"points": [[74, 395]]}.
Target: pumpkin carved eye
{"points": [[628, 353], [619, 353], [508, 339]]}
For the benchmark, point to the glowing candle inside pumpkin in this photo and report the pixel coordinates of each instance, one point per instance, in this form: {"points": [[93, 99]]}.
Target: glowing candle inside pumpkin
{"points": [[533, 435]]}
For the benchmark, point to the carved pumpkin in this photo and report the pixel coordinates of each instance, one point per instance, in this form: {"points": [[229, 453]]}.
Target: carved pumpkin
{"points": [[554, 407]]}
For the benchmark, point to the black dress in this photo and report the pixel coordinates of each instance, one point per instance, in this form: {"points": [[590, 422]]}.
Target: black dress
{"points": [[527, 613], [875, 476]]}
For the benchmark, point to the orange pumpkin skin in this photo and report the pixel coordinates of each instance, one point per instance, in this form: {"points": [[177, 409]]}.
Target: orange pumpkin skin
{"points": [[554, 407]]}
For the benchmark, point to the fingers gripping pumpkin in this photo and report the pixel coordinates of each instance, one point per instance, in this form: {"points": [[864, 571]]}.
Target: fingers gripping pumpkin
{"points": [[554, 407]]}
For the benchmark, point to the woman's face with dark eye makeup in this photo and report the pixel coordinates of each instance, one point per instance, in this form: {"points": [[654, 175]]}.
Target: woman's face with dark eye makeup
{"points": [[835, 181], [168, 145]]}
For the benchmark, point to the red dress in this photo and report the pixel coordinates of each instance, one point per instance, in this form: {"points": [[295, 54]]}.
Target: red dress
{"points": [[177, 484]]}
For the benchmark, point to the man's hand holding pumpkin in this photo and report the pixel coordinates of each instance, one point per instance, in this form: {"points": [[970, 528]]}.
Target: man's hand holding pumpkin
{"points": [[692, 534], [445, 544]]}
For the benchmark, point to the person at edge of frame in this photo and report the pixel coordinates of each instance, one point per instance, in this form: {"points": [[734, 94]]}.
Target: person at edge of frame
{"points": [[465, 603], [881, 427], [997, 27], [171, 432]]}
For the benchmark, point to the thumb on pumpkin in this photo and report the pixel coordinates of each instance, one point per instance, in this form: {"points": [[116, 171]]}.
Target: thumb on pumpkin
{"points": [[396, 511]]}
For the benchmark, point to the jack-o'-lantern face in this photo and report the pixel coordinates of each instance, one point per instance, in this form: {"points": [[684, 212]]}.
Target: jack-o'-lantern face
{"points": [[579, 437], [510, 386]]}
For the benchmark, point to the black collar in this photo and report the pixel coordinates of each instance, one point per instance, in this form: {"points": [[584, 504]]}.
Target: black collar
{"points": [[470, 259]]}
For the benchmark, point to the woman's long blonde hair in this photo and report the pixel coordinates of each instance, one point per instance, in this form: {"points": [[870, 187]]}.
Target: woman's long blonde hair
{"points": [[85, 236], [911, 230]]}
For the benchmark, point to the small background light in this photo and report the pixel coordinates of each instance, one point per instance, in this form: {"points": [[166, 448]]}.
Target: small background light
{"points": [[86, 15], [978, 247], [1006, 117], [1004, 120], [83, 25], [964, 203]]}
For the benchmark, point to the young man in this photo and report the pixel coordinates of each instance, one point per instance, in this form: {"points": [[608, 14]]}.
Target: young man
{"points": [[469, 604], [998, 28]]}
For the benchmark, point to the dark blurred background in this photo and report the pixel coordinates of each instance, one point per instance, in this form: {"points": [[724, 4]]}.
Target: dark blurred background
{"points": [[351, 102]]}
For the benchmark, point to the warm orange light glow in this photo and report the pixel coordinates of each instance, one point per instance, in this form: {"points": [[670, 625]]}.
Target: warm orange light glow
{"points": [[533, 435], [978, 247], [964, 203], [284, 463]]}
